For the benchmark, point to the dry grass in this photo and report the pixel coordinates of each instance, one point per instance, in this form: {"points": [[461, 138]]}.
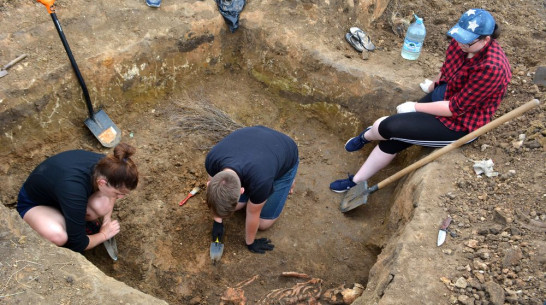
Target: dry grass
{"points": [[202, 122]]}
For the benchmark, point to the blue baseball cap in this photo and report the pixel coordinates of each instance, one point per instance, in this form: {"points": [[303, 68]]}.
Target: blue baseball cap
{"points": [[473, 24]]}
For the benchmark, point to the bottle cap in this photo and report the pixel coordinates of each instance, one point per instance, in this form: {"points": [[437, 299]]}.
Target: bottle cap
{"points": [[418, 20]]}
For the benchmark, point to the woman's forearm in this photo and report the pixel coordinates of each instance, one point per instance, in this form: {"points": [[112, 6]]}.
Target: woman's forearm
{"points": [[440, 108]]}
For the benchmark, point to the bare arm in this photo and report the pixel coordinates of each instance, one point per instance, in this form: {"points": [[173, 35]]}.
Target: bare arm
{"points": [[109, 229], [440, 108], [252, 221]]}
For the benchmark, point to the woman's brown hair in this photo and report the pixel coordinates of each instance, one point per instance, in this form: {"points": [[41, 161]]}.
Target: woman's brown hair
{"points": [[118, 168]]}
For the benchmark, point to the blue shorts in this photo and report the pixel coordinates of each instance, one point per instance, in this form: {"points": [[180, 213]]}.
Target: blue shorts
{"points": [[281, 187], [24, 203]]}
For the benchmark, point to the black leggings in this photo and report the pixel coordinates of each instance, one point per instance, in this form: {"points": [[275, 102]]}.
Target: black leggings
{"points": [[416, 128]]}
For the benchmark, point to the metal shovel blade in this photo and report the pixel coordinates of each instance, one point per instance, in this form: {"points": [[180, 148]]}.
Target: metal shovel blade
{"points": [[104, 129], [3, 73], [216, 250], [355, 197], [111, 248]]}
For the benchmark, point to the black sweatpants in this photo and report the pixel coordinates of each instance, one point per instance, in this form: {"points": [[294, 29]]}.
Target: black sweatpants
{"points": [[417, 128]]}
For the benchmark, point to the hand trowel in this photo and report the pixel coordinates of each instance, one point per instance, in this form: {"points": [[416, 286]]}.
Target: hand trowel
{"points": [[111, 248], [216, 250]]}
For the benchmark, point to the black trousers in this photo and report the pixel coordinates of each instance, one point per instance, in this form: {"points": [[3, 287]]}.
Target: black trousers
{"points": [[417, 128]]}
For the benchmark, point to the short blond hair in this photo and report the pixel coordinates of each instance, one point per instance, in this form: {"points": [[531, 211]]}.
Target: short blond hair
{"points": [[223, 192]]}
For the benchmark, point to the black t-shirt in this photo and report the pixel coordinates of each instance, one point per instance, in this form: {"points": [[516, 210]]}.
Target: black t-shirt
{"points": [[64, 182], [258, 155]]}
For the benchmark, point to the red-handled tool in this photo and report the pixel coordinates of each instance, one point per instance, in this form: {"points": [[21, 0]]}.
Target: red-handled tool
{"points": [[192, 192]]}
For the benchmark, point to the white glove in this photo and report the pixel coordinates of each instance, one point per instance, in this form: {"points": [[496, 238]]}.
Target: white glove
{"points": [[406, 107], [425, 85]]}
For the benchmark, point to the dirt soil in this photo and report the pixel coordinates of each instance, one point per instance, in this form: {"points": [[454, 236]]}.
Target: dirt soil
{"points": [[499, 222]]}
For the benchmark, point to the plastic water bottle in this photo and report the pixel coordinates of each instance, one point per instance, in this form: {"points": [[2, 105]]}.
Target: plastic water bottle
{"points": [[414, 39]]}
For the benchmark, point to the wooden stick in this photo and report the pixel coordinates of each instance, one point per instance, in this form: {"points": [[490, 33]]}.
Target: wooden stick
{"points": [[295, 274]]}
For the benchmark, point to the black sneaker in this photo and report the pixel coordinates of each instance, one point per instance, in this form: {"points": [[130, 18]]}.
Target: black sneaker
{"points": [[342, 185], [356, 143]]}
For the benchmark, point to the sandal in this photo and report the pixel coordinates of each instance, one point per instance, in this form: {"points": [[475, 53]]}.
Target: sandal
{"points": [[365, 40], [355, 42]]}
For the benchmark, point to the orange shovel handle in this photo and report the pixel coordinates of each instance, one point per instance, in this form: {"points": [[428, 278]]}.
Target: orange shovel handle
{"points": [[49, 5]]}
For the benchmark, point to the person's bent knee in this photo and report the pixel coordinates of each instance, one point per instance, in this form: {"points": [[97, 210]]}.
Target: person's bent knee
{"points": [[375, 128], [59, 238], [266, 224]]}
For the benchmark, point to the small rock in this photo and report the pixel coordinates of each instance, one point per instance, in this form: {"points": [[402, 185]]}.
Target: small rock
{"points": [[465, 300], [479, 276], [484, 255], [500, 217], [195, 301], [512, 257], [472, 243], [365, 55], [461, 283], [496, 293], [483, 231], [474, 283], [479, 265], [533, 144], [494, 230]]}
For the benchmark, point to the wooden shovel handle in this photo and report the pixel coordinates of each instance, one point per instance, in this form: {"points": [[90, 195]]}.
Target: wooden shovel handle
{"points": [[478, 132]]}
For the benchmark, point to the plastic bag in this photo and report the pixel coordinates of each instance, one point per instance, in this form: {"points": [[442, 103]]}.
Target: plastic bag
{"points": [[230, 10]]}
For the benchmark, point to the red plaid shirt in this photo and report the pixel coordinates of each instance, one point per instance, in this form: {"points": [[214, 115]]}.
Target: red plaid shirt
{"points": [[475, 86]]}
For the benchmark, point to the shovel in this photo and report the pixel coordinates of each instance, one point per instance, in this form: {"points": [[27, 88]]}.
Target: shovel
{"points": [[99, 123], [358, 194], [5, 68]]}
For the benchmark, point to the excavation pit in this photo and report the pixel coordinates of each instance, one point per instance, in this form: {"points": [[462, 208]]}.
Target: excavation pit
{"points": [[173, 100]]}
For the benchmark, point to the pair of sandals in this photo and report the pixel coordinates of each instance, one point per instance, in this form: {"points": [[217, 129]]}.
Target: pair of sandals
{"points": [[359, 40]]}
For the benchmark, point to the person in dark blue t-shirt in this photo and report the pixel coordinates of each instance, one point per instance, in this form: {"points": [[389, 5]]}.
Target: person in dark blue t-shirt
{"points": [[253, 167], [74, 187]]}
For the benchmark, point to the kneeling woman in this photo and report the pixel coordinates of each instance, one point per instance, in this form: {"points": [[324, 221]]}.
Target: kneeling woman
{"points": [[74, 187]]}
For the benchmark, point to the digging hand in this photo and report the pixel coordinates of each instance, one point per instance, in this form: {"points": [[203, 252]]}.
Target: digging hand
{"points": [[110, 228], [261, 245], [217, 231]]}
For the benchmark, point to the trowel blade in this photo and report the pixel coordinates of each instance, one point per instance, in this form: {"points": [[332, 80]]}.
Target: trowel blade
{"points": [[111, 248], [216, 251], [3, 73]]}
